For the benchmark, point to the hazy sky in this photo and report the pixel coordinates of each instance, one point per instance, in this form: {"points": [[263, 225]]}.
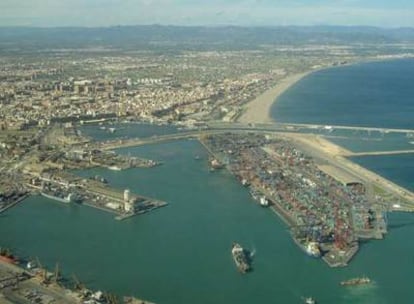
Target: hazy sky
{"points": [[386, 13]]}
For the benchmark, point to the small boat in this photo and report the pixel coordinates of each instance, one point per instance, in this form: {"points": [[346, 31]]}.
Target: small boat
{"points": [[309, 300], [114, 168]]}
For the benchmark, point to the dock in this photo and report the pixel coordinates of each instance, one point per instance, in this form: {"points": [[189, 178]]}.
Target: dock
{"points": [[316, 197]]}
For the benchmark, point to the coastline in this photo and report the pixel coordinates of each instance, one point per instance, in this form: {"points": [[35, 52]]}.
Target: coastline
{"points": [[258, 110]]}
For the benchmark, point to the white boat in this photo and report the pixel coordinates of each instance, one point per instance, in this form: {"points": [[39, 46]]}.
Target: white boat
{"points": [[310, 300], [114, 168]]}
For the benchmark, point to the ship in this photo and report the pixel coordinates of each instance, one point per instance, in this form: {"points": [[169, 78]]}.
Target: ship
{"points": [[356, 281], [58, 197], [240, 257]]}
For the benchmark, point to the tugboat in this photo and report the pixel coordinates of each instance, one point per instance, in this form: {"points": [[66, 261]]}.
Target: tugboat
{"points": [[241, 258], [356, 281]]}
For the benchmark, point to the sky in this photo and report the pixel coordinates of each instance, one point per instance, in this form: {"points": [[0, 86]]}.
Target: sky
{"points": [[50, 13]]}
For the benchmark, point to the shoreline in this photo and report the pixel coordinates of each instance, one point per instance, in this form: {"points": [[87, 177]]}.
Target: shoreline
{"points": [[259, 109]]}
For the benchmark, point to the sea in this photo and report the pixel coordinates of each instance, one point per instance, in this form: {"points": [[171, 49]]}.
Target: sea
{"points": [[181, 253]]}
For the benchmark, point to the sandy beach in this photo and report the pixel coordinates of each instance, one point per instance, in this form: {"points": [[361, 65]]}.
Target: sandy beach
{"points": [[258, 110]]}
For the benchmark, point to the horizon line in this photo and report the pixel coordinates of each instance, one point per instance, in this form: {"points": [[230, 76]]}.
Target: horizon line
{"points": [[207, 26]]}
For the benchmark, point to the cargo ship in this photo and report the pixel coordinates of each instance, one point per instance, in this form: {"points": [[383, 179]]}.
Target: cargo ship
{"points": [[58, 196], [241, 258], [356, 281]]}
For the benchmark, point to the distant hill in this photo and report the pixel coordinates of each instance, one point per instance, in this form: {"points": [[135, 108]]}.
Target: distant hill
{"points": [[152, 37]]}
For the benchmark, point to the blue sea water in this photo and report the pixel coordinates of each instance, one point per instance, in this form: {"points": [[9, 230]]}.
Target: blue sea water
{"points": [[375, 94]]}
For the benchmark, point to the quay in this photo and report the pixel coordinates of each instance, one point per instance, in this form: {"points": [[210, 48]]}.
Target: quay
{"points": [[320, 199], [68, 188]]}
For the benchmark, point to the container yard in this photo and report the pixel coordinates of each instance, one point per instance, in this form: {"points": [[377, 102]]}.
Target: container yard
{"points": [[326, 216]]}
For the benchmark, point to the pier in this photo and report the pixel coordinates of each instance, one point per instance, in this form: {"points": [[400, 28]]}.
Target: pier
{"points": [[301, 188]]}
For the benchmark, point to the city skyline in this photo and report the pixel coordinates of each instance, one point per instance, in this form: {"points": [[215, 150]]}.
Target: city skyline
{"points": [[94, 13]]}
